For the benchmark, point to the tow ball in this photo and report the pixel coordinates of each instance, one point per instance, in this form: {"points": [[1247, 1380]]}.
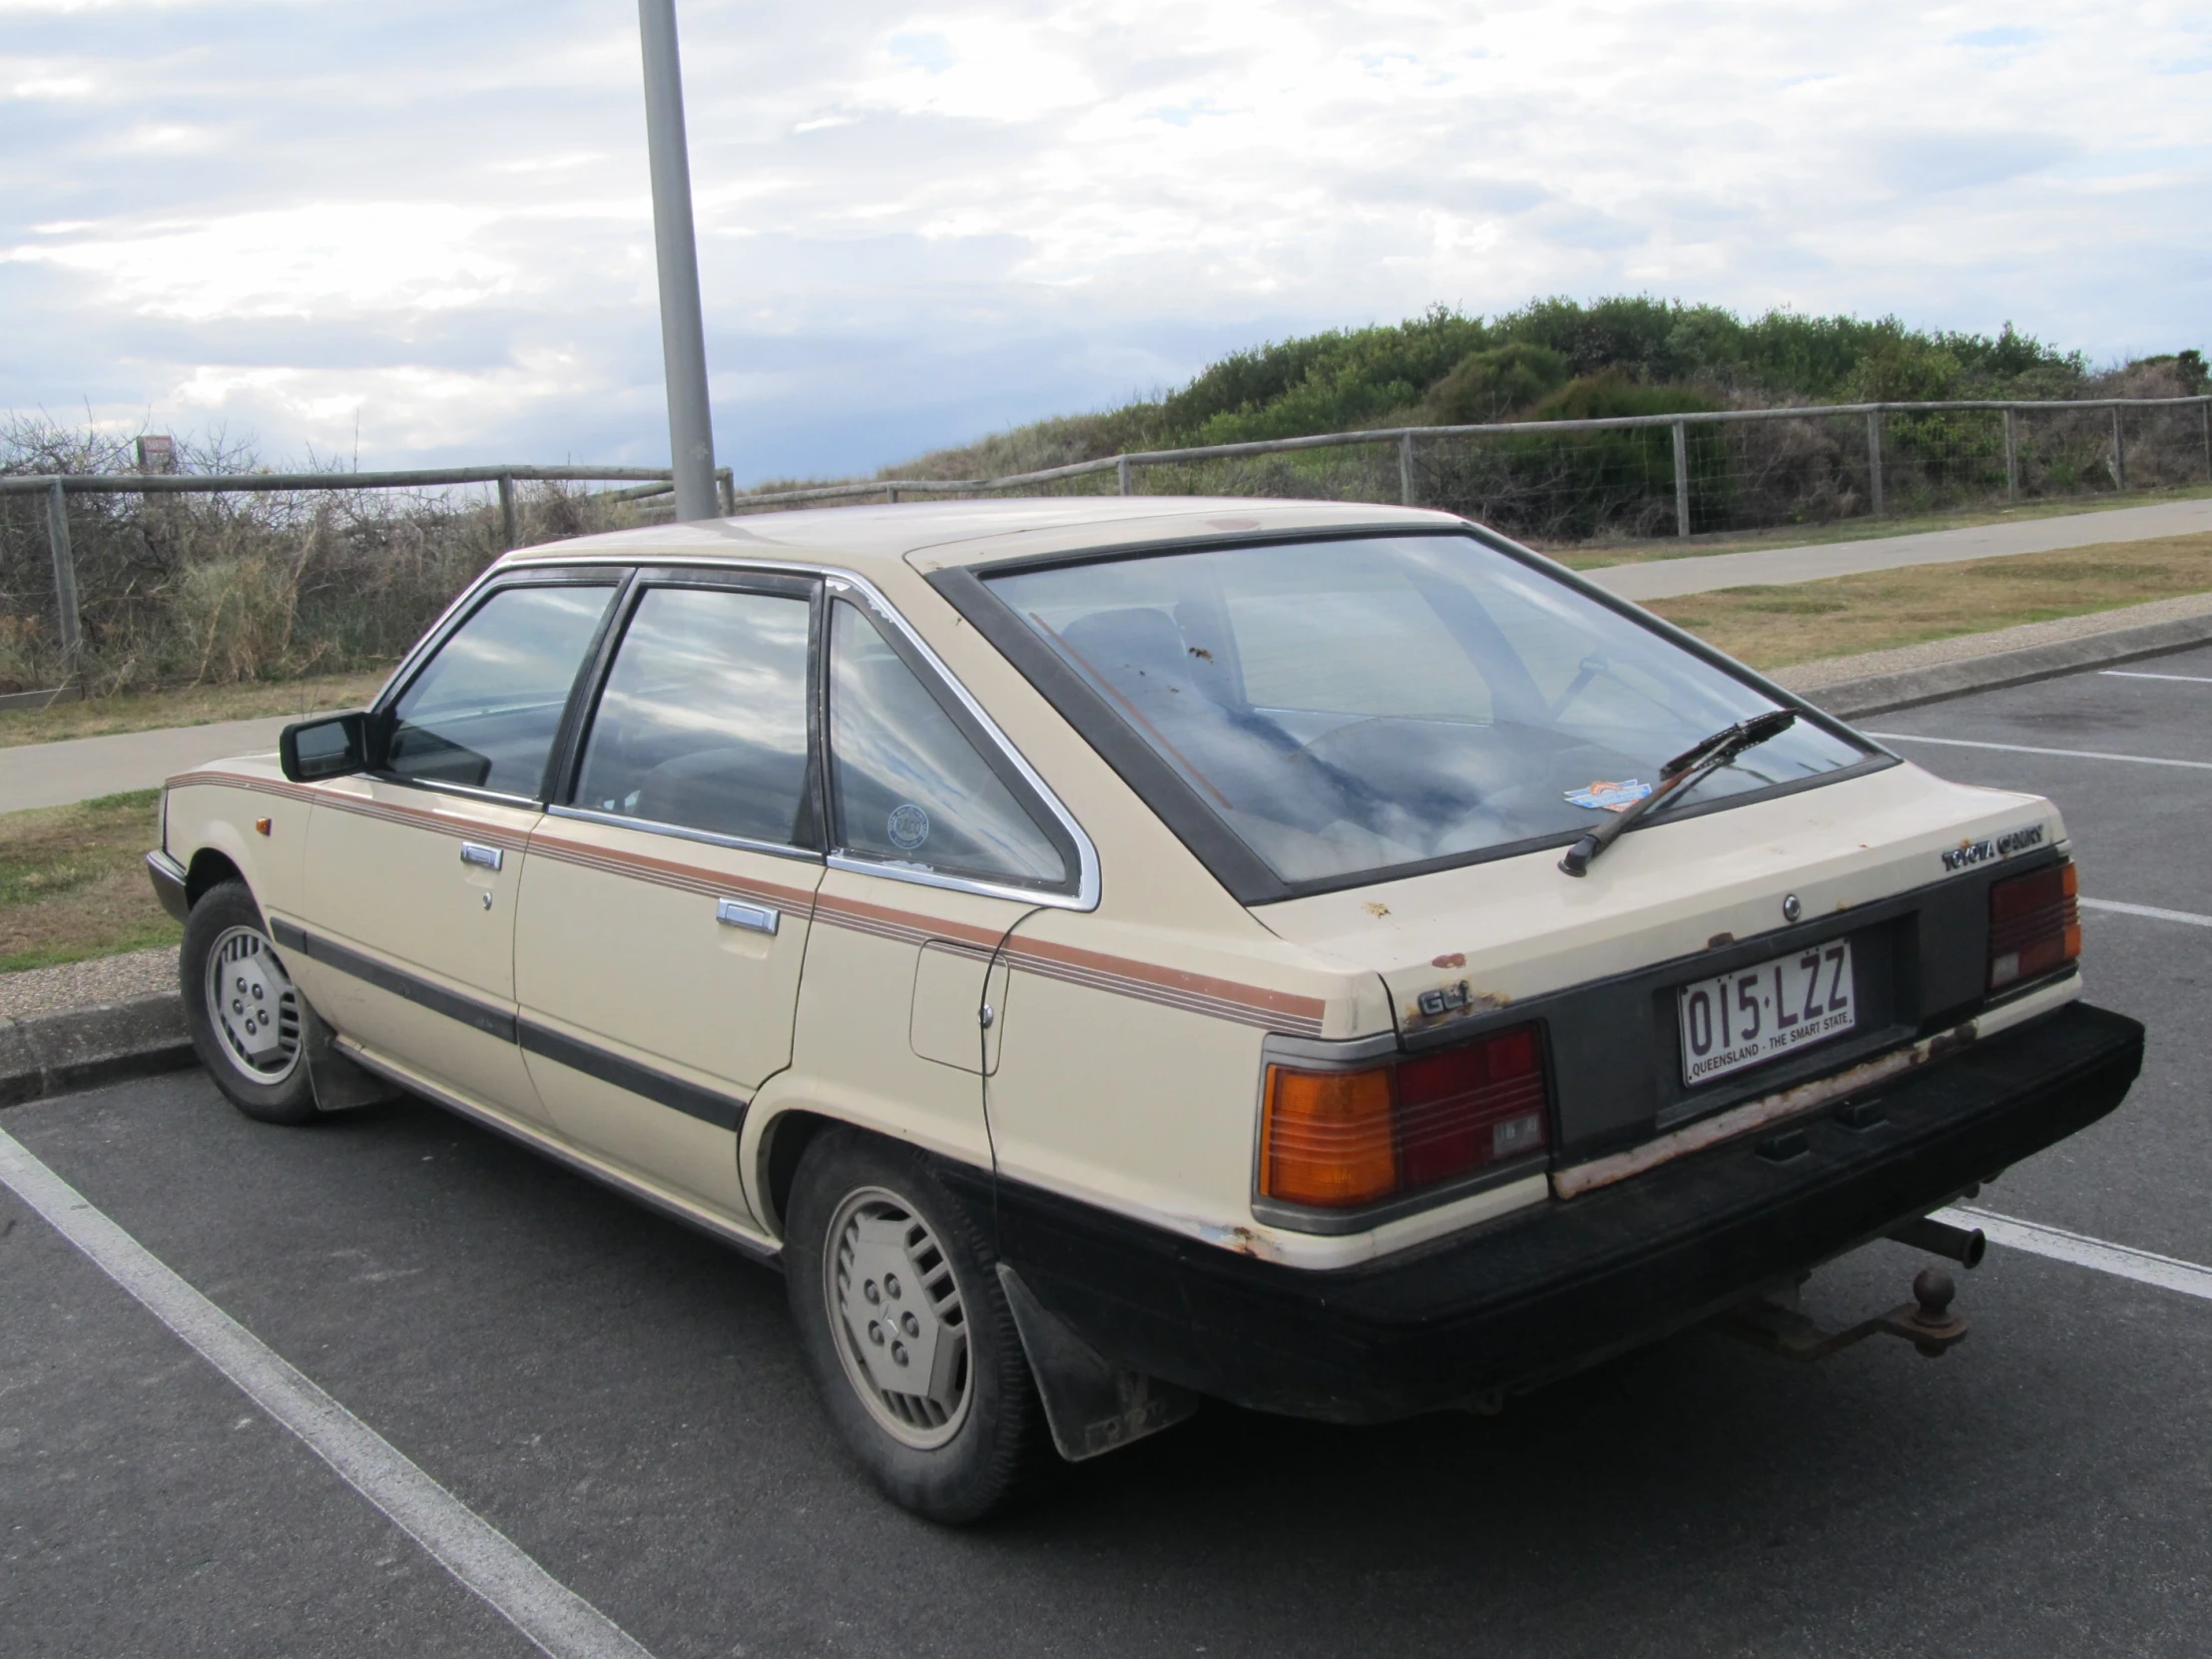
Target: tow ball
{"points": [[1777, 1324]]}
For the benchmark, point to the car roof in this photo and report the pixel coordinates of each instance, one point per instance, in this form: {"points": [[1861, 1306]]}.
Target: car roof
{"points": [[929, 535]]}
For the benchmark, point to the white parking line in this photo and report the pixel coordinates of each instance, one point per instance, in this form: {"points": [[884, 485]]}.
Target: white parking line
{"points": [[2031, 748], [553, 1617], [2185, 678], [2061, 1246], [2150, 910]]}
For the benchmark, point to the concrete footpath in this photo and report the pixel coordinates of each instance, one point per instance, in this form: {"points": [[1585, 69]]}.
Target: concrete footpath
{"points": [[1672, 578], [82, 769]]}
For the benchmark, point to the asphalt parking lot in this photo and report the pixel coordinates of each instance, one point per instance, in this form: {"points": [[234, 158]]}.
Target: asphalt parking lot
{"points": [[623, 1400]]}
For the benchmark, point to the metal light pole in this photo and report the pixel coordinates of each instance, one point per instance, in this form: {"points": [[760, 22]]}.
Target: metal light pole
{"points": [[691, 429]]}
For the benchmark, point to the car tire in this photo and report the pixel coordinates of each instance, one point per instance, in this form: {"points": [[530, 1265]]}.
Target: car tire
{"points": [[883, 1264], [249, 1024]]}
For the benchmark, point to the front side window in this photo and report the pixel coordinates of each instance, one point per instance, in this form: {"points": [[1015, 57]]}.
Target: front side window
{"points": [[1350, 707], [907, 786], [703, 723], [485, 712]]}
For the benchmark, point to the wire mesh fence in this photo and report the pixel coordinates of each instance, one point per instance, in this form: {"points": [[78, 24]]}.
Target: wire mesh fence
{"points": [[113, 579], [1567, 481]]}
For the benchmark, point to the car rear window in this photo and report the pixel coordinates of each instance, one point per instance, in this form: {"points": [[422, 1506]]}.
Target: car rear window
{"points": [[1350, 707]]}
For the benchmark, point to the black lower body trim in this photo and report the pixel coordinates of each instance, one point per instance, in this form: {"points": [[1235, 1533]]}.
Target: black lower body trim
{"points": [[480, 1016], [721, 1110], [657, 1086], [1565, 1284]]}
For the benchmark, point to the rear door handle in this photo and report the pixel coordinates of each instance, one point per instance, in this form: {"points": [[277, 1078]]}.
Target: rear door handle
{"points": [[475, 853], [755, 918]]}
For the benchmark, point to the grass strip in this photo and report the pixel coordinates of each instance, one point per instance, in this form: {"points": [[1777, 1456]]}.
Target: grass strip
{"points": [[73, 881], [1775, 626], [187, 706]]}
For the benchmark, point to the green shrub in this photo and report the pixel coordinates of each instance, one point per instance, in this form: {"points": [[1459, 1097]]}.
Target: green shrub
{"points": [[1490, 385]]}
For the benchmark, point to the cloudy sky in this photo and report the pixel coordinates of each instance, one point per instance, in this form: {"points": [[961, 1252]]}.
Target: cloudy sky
{"points": [[427, 222]]}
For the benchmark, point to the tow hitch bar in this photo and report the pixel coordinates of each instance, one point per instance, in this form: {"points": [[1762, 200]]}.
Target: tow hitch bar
{"points": [[1775, 1323]]}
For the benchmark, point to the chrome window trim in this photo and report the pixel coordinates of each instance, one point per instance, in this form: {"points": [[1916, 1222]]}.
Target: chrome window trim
{"points": [[836, 580], [847, 584], [435, 635], [435, 786], [684, 832]]}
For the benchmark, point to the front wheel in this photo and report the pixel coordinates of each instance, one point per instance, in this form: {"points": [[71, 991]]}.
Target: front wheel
{"points": [[907, 1333], [248, 1022]]}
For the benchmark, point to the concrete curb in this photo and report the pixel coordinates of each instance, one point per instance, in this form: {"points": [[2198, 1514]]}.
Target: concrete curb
{"points": [[1879, 694], [82, 1049]]}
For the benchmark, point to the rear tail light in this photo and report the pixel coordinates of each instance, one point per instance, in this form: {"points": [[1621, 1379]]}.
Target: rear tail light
{"points": [[2034, 925], [1338, 1140]]}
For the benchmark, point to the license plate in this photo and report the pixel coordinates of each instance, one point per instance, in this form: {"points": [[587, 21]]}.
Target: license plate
{"points": [[1739, 1019]]}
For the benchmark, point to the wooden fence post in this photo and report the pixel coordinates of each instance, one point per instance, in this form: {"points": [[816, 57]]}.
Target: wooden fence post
{"points": [[508, 534], [1405, 468], [1681, 477], [65, 579], [2011, 458], [1121, 475], [2120, 451], [1874, 459]]}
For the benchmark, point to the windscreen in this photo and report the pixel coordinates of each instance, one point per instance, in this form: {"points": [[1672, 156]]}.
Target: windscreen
{"points": [[1350, 707]]}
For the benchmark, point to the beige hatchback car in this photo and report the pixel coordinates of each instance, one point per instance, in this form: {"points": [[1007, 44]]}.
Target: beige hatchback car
{"points": [[1113, 952]]}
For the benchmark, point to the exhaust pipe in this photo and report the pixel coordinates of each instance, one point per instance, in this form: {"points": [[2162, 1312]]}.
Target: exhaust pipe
{"points": [[1937, 1238]]}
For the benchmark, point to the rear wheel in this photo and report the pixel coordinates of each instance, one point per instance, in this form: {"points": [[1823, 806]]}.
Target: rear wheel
{"points": [[248, 1022], [907, 1333]]}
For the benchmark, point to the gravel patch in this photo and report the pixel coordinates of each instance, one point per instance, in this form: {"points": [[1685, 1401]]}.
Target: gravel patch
{"points": [[1829, 671], [88, 984]]}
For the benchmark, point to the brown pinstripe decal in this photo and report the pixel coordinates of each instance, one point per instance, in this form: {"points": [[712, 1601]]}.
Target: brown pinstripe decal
{"points": [[1197, 993], [667, 872]]}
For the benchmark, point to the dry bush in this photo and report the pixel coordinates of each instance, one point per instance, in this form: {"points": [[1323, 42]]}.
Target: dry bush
{"points": [[217, 589]]}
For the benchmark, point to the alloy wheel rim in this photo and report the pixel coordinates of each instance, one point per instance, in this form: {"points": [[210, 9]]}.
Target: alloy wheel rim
{"points": [[252, 1006], [898, 1317]]}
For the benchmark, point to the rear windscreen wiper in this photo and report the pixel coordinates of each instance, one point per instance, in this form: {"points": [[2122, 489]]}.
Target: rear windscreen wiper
{"points": [[1701, 758]]}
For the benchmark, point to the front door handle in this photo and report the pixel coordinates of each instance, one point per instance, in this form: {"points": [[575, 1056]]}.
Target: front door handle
{"points": [[475, 853], [755, 918]]}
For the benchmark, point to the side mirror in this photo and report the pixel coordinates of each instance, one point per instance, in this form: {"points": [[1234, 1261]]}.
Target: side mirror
{"points": [[330, 745]]}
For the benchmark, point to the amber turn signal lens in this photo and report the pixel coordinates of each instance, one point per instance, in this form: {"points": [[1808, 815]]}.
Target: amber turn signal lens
{"points": [[1326, 1138]]}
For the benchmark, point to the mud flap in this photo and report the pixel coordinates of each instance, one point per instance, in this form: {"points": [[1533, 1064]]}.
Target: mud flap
{"points": [[1093, 1405], [339, 1084]]}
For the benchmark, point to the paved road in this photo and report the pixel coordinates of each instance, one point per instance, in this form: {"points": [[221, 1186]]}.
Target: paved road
{"points": [[1670, 578], [83, 768], [624, 1401]]}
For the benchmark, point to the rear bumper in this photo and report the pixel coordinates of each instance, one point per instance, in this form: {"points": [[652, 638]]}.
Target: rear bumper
{"points": [[1550, 1289], [169, 883]]}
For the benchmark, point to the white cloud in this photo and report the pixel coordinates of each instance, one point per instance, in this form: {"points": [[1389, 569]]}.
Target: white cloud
{"points": [[919, 220]]}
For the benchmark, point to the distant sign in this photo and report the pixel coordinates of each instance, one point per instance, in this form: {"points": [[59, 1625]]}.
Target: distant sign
{"points": [[157, 454]]}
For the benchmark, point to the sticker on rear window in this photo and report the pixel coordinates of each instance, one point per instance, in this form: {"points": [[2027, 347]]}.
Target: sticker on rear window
{"points": [[1611, 798]]}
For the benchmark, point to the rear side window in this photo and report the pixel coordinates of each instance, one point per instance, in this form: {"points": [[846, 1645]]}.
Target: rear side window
{"points": [[483, 712], [907, 786], [703, 723]]}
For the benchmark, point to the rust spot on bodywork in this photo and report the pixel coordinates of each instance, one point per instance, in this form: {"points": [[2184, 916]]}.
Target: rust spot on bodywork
{"points": [[1459, 958], [1949, 1042], [1758, 1114], [1238, 1239], [1375, 909]]}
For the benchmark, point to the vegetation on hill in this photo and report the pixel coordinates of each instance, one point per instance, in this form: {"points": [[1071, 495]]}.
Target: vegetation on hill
{"points": [[1558, 359]]}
